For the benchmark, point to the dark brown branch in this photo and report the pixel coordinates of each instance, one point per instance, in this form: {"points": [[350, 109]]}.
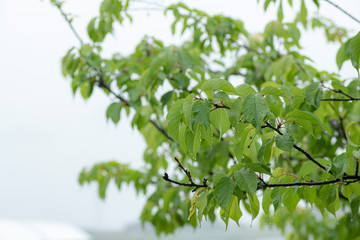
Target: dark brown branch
{"points": [[296, 146], [161, 130], [340, 99], [103, 85], [349, 97], [338, 7], [216, 106], [187, 172], [350, 178]]}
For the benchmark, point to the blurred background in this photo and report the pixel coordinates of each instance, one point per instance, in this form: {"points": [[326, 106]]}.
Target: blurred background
{"points": [[47, 135]]}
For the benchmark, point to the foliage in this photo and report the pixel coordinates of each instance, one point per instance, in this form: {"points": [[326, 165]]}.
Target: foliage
{"points": [[267, 130]]}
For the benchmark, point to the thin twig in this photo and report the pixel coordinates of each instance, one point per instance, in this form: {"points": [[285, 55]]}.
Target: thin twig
{"points": [[340, 99], [341, 9], [349, 97], [161, 130], [102, 84], [69, 21], [187, 172], [216, 106], [346, 180], [296, 146], [341, 130]]}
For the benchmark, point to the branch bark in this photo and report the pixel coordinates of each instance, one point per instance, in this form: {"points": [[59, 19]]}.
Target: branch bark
{"points": [[296, 146], [341, 9], [187, 172]]}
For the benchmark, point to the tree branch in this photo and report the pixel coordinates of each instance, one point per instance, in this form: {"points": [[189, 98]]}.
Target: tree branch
{"points": [[349, 178], [102, 84], [296, 146], [216, 106], [341, 9], [187, 172], [161, 130], [69, 21], [349, 97]]}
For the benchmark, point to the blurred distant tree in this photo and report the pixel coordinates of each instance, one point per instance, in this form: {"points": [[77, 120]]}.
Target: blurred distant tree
{"points": [[244, 116]]}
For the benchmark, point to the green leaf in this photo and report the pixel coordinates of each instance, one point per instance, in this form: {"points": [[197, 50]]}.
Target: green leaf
{"points": [[166, 97], [242, 130], [307, 168], [182, 137], [174, 117], [244, 90], [310, 194], [223, 192], [103, 183], [255, 109], [218, 84], [254, 205], [303, 14], [187, 109], [354, 48], [197, 139], [356, 153], [266, 151], [113, 112], [280, 13], [307, 120], [284, 142], [350, 139], [313, 95], [290, 199], [341, 56], [218, 176], [246, 180], [266, 200], [234, 210], [201, 113], [355, 204], [329, 194], [86, 89], [339, 165], [220, 120], [276, 198], [200, 204], [235, 111]]}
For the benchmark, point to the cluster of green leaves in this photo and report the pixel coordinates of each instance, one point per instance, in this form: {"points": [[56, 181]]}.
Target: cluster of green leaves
{"points": [[268, 121]]}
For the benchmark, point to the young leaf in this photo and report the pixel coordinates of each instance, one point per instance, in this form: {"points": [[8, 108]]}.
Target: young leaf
{"points": [[266, 200], [307, 120], [223, 192], [113, 112], [234, 210], [341, 56], [339, 165], [354, 48], [174, 117], [218, 84], [284, 142], [220, 120], [246, 180], [255, 109], [254, 205], [201, 113]]}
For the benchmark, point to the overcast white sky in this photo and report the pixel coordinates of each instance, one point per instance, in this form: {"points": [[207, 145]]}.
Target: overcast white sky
{"points": [[47, 135]]}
